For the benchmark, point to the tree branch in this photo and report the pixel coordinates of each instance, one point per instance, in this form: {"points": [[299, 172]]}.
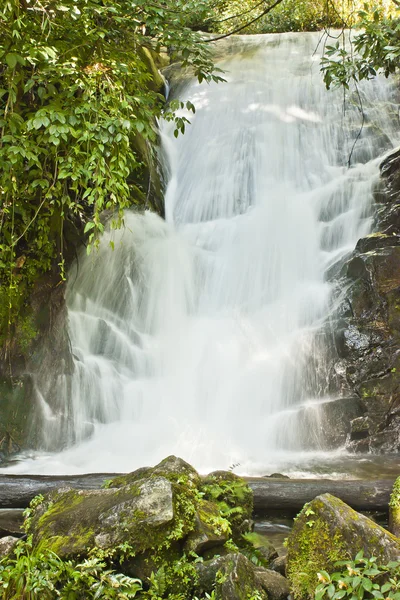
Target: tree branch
{"points": [[265, 12]]}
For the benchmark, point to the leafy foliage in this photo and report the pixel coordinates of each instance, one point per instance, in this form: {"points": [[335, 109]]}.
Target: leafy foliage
{"points": [[375, 49], [77, 93], [288, 15], [32, 575], [361, 578]]}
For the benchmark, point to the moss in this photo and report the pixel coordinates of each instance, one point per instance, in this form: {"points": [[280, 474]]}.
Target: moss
{"points": [[395, 495], [326, 531], [234, 499], [312, 550]]}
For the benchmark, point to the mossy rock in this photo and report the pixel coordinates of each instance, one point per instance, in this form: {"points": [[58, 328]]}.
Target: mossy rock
{"points": [[172, 468], [234, 499], [143, 514], [394, 509], [232, 576], [211, 530], [328, 530]]}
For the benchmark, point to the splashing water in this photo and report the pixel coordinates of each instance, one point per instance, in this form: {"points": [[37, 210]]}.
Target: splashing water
{"points": [[202, 335]]}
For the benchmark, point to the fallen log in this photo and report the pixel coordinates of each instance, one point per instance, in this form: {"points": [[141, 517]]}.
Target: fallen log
{"points": [[290, 495], [284, 495], [16, 491]]}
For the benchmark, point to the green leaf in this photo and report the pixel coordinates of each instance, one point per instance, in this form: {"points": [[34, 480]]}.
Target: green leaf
{"points": [[89, 225], [11, 60]]}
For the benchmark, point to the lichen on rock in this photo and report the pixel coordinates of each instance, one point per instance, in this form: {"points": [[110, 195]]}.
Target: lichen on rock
{"points": [[328, 530]]}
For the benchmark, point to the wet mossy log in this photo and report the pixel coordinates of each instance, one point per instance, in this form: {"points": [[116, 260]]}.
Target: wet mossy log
{"points": [[284, 495]]}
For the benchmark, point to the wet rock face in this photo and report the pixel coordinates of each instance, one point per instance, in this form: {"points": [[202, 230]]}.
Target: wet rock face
{"points": [[367, 337]]}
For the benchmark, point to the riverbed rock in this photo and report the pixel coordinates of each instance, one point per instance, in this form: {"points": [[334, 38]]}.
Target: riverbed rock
{"points": [[328, 530], [275, 585], [7, 545], [279, 565], [394, 509], [172, 467], [209, 532], [232, 576], [73, 521]]}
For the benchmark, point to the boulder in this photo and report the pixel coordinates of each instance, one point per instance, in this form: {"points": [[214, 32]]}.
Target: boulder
{"points": [[72, 521], [275, 585], [328, 530], [394, 509], [232, 576], [279, 565], [172, 467], [261, 547], [7, 545], [210, 530]]}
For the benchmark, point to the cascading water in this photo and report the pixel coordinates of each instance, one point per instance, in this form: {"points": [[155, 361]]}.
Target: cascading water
{"points": [[203, 335]]}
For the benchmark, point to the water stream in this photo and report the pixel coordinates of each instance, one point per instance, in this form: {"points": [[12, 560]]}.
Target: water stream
{"points": [[205, 335]]}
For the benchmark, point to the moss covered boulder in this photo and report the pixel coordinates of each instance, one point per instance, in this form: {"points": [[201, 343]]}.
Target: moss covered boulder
{"points": [[232, 576], [394, 509], [234, 499], [154, 509], [328, 530], [71, 522]]}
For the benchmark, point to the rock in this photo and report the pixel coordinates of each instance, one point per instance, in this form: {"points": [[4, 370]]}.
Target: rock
{"points": [[328, 530], [172, 467], [279, 565], [234, 498], [7, 545], [276, 586], [11, 521], [330, 420], [210, 530], [73, 521], [261, 546], [376, 241], [232, 576], [394, 509]]}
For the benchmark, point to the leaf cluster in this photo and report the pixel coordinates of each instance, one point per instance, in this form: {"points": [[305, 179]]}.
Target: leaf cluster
{"points": [[375, 49], [359, 579], [30, 575]]}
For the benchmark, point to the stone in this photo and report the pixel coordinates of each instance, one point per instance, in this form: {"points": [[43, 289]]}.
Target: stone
{"points": [[210, 530], [264, 549], [7, 545], [72, 521], [394, 509], [232, 576], [328, 530], [275, 585], [279, 565], [171, 467]]}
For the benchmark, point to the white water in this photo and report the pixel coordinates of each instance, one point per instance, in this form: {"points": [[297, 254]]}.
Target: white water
{"points": [[202, 335]]}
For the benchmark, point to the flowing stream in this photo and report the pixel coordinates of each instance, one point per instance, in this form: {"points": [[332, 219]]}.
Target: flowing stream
{"points": [[205, 335]]}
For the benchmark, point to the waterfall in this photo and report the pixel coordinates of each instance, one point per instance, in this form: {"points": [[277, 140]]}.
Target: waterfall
{"points": [[205, 335]]}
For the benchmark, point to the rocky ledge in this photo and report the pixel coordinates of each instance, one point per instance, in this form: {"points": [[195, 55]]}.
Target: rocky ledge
{"points": [[367, 332]]}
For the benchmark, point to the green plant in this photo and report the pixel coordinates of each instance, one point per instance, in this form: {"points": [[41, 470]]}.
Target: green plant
{"points": [[361, 578], [79, 97], [375, 49], [30, 575]]}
